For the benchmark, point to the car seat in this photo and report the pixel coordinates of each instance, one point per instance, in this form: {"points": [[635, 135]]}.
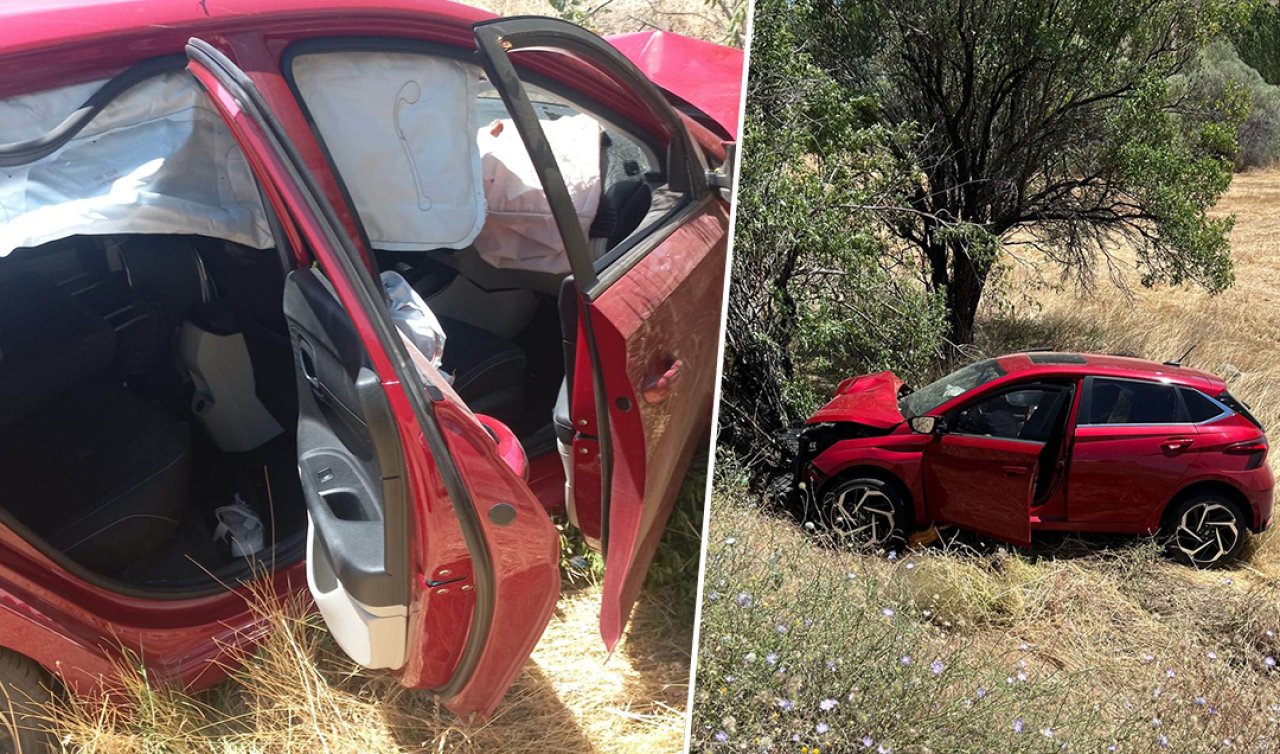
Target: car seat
{"points": [[94, 470]]}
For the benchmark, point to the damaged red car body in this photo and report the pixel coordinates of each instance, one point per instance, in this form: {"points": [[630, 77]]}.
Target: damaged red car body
{"points": [[426, 537], [1040, 441]]}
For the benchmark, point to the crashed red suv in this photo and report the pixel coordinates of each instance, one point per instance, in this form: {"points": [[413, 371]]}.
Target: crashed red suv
{"points": [[206, 209], [1041, 441]]}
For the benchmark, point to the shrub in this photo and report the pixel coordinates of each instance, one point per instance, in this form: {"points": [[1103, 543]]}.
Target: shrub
{"points": [[1221, 71]]}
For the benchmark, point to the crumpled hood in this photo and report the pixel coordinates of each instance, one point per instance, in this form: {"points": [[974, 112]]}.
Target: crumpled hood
{"points": [[707, 75], [871, 400]]}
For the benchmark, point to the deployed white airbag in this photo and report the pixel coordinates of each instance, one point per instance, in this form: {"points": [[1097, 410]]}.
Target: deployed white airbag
{"points": [[158, 159], [401, 129], [413, 317], [521, 231]]}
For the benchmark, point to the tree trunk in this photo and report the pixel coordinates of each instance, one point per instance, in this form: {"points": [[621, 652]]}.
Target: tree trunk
{"points": [[963, 295]]}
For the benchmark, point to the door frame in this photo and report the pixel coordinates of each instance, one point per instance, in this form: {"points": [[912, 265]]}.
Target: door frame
{"points": [[494, 41], [386, 350]]}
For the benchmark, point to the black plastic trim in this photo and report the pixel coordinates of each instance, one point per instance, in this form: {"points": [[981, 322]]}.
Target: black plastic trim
{"points": [[25, 152]]}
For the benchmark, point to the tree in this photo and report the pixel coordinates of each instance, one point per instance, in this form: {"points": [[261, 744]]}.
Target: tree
{"points": [[811, 299], [1063, 124], [1258, 40]]}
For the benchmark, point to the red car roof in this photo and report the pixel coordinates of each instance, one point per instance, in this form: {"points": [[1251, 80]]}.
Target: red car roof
{"points": [[47, 43], [42, 24], [1052, 362]]}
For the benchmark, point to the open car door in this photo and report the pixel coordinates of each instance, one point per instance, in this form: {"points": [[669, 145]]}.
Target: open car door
{"points": [[983, 484], [427, 553], [650, 307]]}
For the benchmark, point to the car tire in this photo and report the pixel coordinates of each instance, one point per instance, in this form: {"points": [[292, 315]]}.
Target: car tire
{"points": [[864, 513], [24, 691], [1206, 531]]}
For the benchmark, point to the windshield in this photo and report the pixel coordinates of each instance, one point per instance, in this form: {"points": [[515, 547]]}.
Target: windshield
{"points": [[958, 382]]}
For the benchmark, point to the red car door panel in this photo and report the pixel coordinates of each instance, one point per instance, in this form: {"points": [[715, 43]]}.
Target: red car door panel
{"points": [[1122, 473], [482, 572], [983, 484], [649, 328], [659, 363]]}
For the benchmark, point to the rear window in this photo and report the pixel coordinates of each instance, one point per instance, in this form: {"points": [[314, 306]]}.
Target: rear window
{"points": [[1126, 402], [1200, 408]]}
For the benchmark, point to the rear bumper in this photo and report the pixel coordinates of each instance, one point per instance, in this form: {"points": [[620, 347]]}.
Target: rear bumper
{"points": [[1261, 496]]}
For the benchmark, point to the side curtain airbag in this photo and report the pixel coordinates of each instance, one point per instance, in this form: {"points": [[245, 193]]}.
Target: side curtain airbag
{"points": [[401, 130], [157, 159]]}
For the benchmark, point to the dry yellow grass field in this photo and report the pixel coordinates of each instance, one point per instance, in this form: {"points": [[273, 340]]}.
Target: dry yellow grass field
{"points": [[299, 694]]}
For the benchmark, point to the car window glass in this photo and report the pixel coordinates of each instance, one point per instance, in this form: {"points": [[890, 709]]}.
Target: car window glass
{"points": [[622, 157], [1199, 407], [957, 383], [1127, 402], [1025, 414]]}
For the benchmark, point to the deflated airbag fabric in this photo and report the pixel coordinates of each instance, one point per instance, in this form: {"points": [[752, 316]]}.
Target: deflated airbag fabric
{"points": [[410, 160], [157, 159], [521, 232]]}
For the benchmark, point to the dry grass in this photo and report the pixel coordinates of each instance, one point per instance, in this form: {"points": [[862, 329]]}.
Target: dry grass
{"points": [[1117, 645], [299, 693]]}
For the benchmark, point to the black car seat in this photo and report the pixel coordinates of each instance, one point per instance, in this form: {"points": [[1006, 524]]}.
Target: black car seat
{"points": [[568, 306], [489, 371], [94, 470], [251, 281]]}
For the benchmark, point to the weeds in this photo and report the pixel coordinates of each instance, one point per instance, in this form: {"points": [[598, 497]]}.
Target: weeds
{"points": [[937, 651]]}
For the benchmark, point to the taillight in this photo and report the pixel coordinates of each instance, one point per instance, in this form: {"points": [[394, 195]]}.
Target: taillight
{"points": [[1255, 449]]}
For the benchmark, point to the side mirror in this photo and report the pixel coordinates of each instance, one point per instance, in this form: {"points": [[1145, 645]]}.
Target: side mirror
{"points": [[928, 425]]}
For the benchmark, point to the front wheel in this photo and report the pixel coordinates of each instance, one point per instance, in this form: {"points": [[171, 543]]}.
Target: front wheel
{"points": [[865, 513], [24, 692], [1206, 531]]}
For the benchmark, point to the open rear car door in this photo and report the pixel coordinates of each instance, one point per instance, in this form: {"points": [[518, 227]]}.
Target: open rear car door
{"points": [[649, 331], [427, 553]]}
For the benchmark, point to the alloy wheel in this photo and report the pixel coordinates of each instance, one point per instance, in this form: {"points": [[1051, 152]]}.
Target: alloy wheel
{"points": [[862, 515], [1207, 532]]}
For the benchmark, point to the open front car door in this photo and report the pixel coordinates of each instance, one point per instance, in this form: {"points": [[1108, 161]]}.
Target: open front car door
{"points": [[427, 553], [650, 303]]}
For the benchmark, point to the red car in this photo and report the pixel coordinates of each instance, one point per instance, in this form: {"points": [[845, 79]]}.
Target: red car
{"points": [[206, 212], [1042, 441]]}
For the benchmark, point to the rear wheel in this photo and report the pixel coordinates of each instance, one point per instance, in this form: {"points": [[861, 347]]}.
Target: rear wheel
{"points": [[1206, 531], [24, 692], [865, 513]]}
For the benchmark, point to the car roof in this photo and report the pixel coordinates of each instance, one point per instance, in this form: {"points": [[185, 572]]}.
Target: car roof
{"points": [[1050, 363], [27, 25]]}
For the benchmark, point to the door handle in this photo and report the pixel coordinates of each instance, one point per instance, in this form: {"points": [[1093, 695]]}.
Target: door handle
{"points": [[656, 387], [1177, 444], [307, 358], [1012, 470]]}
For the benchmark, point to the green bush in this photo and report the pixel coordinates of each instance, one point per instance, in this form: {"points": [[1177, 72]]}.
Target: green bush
{"points": [[1221, 72]]}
